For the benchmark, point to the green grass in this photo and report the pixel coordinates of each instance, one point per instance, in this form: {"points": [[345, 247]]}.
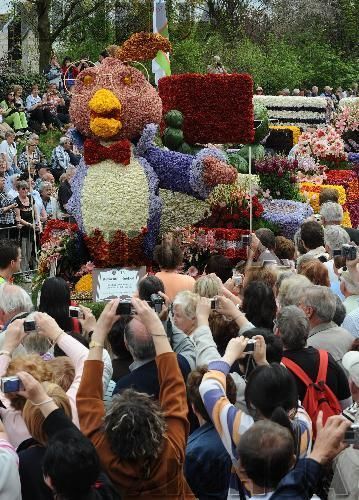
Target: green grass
{"points": [[49, 141]]}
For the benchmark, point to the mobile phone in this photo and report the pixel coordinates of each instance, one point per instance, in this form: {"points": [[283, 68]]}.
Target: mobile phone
{"points": [[351, 435], [11, 384], [213, 303], [250, 346], [75, 312], [246, 240], [29, 326], [238, 279]]}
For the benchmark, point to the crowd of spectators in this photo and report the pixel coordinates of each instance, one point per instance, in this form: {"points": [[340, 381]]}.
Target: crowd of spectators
{"points": [[243, 384]]}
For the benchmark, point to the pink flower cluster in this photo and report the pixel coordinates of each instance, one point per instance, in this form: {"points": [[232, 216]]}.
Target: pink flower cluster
{"points": [[86, 269], [347, 119], [322, 144], [309, 170]]}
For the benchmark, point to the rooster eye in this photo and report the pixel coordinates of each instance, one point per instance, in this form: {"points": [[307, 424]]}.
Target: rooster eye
{"points": [[88, 80], [127, 80]]}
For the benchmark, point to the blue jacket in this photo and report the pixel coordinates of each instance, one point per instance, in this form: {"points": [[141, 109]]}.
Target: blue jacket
{"points": [[299, 483], [207, 465]]}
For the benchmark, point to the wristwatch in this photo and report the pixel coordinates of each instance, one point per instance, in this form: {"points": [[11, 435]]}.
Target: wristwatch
{"points": [[93, 344], [6, 353]]}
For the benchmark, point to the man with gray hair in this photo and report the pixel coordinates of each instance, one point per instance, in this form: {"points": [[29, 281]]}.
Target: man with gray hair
{"points": [[292, 326], [332, 214], [334, 237], [15, 303], [319, 305], [143, 376], [350, 289]]}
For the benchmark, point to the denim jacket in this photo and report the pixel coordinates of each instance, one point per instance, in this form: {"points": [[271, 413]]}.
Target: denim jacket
{"points": [[207, 465]]}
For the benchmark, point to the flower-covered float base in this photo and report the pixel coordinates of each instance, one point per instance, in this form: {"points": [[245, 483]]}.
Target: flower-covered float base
{"points": [[288, 215], [120, 250]]}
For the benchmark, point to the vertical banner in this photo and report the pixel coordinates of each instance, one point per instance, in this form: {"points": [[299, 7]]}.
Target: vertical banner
{"points": [[161, 65]]}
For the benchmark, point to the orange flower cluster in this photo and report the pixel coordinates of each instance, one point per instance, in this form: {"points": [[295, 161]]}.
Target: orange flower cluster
{"points": [[143, 47]]}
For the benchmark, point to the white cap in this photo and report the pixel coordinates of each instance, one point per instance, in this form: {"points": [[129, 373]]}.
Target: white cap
{"points": [[350, 362]]}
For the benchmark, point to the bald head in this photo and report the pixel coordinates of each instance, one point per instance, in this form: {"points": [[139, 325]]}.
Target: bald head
{"points": [[139, 341]]}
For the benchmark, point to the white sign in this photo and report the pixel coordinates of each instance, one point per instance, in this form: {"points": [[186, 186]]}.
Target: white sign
{"points": [[116, 283]]}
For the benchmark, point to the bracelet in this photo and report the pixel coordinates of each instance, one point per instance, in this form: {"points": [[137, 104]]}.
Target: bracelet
{"points": [[57, 337], [6, 353], [42, 402], [158, 335]]}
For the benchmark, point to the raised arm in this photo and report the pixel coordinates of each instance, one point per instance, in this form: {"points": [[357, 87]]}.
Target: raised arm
{"points": [[173, 397]]}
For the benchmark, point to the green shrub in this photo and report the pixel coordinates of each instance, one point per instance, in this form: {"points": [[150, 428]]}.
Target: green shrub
{"points": [[9, 77]]}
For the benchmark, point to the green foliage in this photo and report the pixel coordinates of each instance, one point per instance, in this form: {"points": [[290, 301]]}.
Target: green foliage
{"points": [[238, 162], [257, 152], [280, 187], [174, 118], [9, 77], [49, 141], [261, 113]]}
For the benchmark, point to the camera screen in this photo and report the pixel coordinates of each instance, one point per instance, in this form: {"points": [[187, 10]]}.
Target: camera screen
{"points": [[29, 326]]}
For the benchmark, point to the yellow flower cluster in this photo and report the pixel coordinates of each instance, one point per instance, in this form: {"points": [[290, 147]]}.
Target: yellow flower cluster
{"points": [[223, 193], [311, 192], [346, 219], [84, 284], [295, 130]]}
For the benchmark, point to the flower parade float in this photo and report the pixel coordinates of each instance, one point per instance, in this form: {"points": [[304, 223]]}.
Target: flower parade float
{"points": [[116, 201]]}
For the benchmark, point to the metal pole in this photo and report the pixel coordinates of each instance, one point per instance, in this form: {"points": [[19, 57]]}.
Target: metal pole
{"points": [[250, 189], [32, 203]]}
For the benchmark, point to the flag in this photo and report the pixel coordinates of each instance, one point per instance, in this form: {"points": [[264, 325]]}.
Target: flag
{"points": [[161, 65]]}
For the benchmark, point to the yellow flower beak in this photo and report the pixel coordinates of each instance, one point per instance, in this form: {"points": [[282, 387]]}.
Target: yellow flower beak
{"points": [[105, 116]]}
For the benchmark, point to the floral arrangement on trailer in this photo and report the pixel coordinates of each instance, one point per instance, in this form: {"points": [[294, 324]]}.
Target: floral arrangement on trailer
{"points": [[118, 112], [324, 144], [62, 252], [346, 122], [295, 110]]}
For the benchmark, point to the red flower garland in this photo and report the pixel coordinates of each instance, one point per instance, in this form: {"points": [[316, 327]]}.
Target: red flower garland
{"points": [[56, 225], [227, 241], [217, 108], [119, 152], [120, 251]]}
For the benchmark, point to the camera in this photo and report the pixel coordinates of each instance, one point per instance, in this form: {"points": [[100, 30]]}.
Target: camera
{"points": [[318, 217], [125, 308], [349, 252], [213, 303], [250, 346], [75, 312], [156, 302], [11, 384], [246, 240], [29, 326], [238, 279], [351, 435]]}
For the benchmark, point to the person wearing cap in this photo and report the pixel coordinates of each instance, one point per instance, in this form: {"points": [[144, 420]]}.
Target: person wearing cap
{"points": [[345, 482], [259, 91]]}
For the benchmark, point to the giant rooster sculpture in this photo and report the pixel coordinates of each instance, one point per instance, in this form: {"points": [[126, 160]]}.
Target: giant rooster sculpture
{"points": [[116, 200]]}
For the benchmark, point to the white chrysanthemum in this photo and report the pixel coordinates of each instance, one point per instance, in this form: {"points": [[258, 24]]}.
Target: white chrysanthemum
{"points": [[115, 197]]}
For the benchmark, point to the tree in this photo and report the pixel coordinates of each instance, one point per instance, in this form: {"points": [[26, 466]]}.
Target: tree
{"points": [[53, 17]]}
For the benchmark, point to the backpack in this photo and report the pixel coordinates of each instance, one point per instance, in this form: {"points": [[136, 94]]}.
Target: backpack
{"points": [[319, 397]]}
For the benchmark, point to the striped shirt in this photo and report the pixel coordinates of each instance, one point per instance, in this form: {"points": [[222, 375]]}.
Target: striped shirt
{"points": [[231, 422]]}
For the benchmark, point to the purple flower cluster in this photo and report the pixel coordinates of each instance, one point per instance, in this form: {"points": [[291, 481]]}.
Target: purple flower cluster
{"points": [[155, 208], [74, 204], [288, 215], [147, 139], [276, 165], [353, 158]]}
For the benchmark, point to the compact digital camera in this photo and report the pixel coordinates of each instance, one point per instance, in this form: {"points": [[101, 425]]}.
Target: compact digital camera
{"points": [[11, 384]]}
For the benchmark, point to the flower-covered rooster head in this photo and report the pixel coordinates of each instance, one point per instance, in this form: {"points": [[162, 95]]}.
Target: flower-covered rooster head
{"points": [[114, 100]]}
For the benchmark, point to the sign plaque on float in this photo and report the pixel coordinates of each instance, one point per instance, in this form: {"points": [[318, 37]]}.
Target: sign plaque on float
{"points": [[116, 283]]}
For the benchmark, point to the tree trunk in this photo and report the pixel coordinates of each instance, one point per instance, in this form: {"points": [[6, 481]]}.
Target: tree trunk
{"points": [[44, 34]]}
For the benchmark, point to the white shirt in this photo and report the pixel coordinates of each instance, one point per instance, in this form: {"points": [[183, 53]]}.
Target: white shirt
{"points": [[9, 151], [31, 101]]}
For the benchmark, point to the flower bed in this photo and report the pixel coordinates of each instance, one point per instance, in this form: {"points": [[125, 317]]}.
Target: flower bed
{"points": [[293, 110], [353, 208], [286, 214], [216, 108]]}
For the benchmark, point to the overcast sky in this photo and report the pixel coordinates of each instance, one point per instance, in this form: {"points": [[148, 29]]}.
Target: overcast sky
{"points": [[4, 6]]}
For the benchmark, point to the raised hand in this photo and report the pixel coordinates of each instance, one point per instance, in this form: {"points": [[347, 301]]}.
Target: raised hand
{"points": [[14, 335], [33, 390], [47, 326], [235, 349]]}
